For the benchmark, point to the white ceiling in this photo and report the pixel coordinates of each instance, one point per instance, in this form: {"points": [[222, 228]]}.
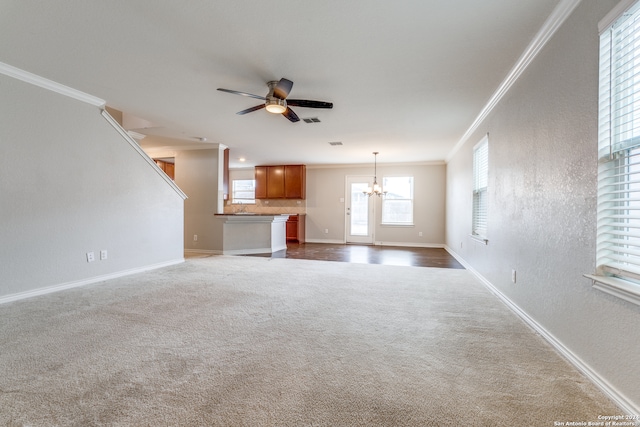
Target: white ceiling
{"points": [[407, 77]]}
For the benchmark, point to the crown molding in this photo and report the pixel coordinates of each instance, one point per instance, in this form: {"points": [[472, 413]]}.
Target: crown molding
{"points": [[367, 165], [36, 80], [559, 15]]}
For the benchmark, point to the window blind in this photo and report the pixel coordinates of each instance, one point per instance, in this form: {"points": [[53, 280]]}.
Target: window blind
{"points": [[618, 239], [243, 191], [480, 184], [397, 204]]}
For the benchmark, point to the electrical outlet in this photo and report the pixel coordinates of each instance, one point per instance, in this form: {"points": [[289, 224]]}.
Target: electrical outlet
{"points": [[419, 233], [195, 237], [91, 257], [513, 276], [103, 254], [326, 231]]}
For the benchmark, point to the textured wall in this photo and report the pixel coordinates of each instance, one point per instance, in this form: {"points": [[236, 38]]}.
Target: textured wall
{"points": [[70, 184], [542, 204]]}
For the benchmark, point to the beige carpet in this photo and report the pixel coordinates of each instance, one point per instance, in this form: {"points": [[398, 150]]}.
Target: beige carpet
{"points": [[248, 341]]}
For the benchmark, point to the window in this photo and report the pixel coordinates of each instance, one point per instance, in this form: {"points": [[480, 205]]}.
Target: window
{"points": [[397, 205], [243, 191], [618, 235], [480, 183]]}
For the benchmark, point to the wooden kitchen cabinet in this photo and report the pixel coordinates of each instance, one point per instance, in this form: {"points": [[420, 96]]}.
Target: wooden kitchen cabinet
{"points": [[280, 182], [261, 182], [295, 228], [170, 169], [295, 181], [167, 167], [275, 182]]}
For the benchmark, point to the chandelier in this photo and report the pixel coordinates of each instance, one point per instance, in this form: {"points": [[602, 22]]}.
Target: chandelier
{"points": [[376, 189]]}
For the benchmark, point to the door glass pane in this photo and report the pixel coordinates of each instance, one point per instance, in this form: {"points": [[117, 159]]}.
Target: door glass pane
{"points": [[359, 209]]}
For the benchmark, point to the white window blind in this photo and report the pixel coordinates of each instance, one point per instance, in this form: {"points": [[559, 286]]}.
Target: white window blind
{"points": [[397, 205], [480, 184], [618, 238], [243, 191]]}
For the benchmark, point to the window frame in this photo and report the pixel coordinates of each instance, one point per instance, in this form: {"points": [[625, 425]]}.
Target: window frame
{"points": [[480, 192], [386, 200], [618, 216], [242, 201]]}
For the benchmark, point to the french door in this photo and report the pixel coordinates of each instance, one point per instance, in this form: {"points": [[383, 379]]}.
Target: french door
{"points": [[359, 210]]}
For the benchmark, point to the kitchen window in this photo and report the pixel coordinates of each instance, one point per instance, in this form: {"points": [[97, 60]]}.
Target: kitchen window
{"points": [[243, 191]]}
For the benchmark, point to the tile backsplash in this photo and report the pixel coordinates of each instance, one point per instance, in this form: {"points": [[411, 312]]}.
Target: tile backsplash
{"points": [[271, 206]]}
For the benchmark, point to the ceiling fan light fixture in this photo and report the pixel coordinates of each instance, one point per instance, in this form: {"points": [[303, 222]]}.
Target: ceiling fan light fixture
{"points": [[276, 106]]}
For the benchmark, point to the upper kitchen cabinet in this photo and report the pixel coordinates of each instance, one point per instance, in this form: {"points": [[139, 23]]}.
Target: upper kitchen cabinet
{"points": [[295, 181], [275, 182], [281, 182], [261, 182]]}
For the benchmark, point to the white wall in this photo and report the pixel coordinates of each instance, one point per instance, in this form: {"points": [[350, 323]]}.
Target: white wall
{"points": [[542, 207], [326, 186], [70, 184], [197, 174]]}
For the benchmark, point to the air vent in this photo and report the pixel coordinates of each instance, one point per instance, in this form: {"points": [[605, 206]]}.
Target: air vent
{"points": [[335, 143], [312, 120]]}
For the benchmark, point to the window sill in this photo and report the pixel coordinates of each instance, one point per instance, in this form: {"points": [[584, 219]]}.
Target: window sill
{"points": [[479, 239], [391, 224], [617, 287]]}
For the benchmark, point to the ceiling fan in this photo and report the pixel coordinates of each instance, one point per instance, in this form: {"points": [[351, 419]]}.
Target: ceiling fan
{"points": [[276, 100]]}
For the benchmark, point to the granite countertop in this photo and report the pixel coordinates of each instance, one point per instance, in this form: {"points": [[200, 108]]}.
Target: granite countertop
{"points": [[250, 214], [256, 214]]}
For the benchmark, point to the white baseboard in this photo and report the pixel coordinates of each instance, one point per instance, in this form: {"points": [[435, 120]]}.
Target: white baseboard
{"points": [[202, 251], [84, 282], [616, 396], [410, 245], [330, 241], [381, 243]]}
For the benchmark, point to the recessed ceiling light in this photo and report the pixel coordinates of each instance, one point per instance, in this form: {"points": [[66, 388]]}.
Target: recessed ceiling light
{"points": [[241, 159]]}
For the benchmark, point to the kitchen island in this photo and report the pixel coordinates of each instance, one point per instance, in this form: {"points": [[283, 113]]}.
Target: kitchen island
{"points": [[248, 233]]}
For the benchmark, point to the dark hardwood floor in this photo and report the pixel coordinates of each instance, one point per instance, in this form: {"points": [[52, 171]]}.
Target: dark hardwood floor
{"points": [[369, 254]]}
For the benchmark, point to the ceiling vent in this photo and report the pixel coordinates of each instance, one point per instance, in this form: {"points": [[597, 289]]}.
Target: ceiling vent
{"points": [[311, 120], [335, 143]]}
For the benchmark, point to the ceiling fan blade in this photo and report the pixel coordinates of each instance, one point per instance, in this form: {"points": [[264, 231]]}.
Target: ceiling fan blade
{"points": [[282, 89], [249, 110], [309, 104], [250, 95], [289, 114]]}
